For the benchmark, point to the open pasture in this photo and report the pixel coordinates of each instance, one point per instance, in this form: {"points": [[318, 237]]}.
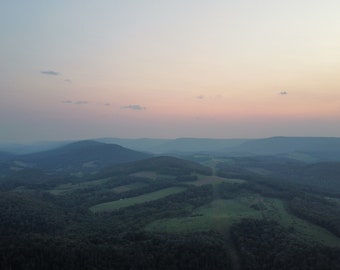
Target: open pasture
{"points": [[69, 187], [220, 214], [207, 180], [114, 205]]}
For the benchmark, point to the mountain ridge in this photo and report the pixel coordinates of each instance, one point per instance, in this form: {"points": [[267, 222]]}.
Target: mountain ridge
{"points": [[84, 156]]}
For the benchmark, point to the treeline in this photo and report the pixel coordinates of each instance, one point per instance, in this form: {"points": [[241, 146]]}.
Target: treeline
{"points": [[321, 175], [137, 251], [311, 206], [37, 232], [265, 245], [29, 213], [136, 217], [161, 165], [319, 211]]}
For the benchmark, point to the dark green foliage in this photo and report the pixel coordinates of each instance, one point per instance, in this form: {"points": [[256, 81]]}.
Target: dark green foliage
{"points": [[28, 213], [41, 231], [162, 165], [318, 211], [132, 251], [136, 217], [323, 175], [30, 178], [264, 245]]}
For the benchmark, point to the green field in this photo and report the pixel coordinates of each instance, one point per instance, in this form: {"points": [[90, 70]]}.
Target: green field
{"points": [[221, 214], [129, 187], [217, 215], [147, 174], [114, 205], [303, 228], [69, 187], [206, 180]]}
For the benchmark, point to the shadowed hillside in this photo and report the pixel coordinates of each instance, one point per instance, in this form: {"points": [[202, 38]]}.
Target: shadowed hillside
{"points": [[83, 156], [5, 155], [164, 165]]}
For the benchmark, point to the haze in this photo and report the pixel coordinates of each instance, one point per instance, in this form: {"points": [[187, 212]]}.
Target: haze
{"points": [[220, 69]]}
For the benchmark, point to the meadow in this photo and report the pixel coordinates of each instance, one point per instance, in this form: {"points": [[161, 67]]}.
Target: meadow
{"points": [[114, 205]]}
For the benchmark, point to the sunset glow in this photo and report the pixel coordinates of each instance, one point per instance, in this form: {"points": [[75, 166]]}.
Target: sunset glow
{"points": [[85, 69]]}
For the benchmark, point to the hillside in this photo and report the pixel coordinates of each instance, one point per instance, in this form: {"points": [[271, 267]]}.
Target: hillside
{"points": [[322, 175], [5, 155], [280, 145], [163, 212], [162, 165], [82, 156]]}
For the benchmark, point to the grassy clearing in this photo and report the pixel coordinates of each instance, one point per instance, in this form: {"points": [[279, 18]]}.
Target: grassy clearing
{"points": [[213, 162], [334, 200], [302, 157], [221, 214], [147, 174], [217, 215], [129, 187], [301, 227], [153, 175], [114, 205], [206, 180], [69, 187]]}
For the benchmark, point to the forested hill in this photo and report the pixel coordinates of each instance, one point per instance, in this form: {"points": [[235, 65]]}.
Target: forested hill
{"points": [[5, 155], [179, 145], [85, 156], [169, 213], [163, 165], [322, 175]]}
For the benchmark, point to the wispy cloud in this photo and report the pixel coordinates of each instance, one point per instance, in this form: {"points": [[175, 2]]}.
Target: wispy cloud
{"points": [[134, 107], [81, 102], [67, 101], [200, 97], [78, 102], [107, 104], [283, 93], [68, 80], [50, 72]]}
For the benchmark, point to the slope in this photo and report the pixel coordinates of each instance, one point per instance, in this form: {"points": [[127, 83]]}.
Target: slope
{"points": [[82, 156]]}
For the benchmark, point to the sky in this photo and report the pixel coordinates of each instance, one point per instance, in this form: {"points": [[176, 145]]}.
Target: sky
{"points": [[165, 69]]}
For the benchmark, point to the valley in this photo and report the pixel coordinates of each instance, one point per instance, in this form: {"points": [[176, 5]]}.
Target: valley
{"points": [[125, 207]]}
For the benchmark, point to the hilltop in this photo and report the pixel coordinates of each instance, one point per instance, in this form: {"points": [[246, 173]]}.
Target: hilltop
{"points": [[82, 156]]}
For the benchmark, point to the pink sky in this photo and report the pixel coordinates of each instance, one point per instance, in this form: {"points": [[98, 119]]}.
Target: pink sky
{"points": [[169, 69]]}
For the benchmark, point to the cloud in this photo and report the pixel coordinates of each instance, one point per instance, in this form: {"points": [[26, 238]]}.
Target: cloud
{"points": [[283, 93], [200, 97], [81, 102], [107, 104], [50, 72], [134, 107], [68, 80], [67, 101]]}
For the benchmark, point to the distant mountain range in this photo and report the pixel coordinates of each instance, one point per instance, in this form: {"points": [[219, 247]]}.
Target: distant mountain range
{"points": [[305, 148], [280, 145], [308, 149]]}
